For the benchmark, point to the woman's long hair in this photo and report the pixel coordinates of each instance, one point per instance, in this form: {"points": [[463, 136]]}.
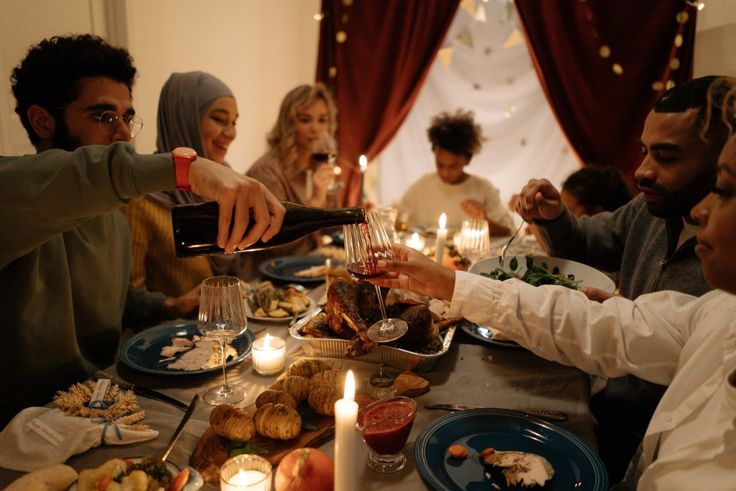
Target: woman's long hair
{"points": [[281, 140]]}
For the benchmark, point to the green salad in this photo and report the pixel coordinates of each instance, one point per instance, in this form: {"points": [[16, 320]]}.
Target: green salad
{"points": [[534, 275]]}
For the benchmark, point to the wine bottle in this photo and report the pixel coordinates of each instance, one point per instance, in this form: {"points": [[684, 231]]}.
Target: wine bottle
{"points": [[195, 226]]}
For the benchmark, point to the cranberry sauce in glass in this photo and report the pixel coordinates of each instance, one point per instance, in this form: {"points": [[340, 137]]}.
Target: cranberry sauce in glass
{"points": [[386, 424]]}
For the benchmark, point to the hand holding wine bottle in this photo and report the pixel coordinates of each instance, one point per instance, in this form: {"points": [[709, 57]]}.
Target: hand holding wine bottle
{"points": [[247, 210]]}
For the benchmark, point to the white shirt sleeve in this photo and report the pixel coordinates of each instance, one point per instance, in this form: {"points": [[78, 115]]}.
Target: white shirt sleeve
{"points": [[612, 338]]}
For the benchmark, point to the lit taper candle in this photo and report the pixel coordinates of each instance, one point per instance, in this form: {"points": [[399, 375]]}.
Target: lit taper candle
{"points": [[346, 438]]}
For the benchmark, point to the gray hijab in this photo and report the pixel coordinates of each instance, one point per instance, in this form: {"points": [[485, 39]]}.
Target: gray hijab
{"points": [[185, 98]]}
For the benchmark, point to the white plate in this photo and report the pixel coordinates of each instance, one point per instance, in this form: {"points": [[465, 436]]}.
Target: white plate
{"points": [[585, 274], [312, 305]]}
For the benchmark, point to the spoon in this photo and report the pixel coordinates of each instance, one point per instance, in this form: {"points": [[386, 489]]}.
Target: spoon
{"points": [[178, 430]]}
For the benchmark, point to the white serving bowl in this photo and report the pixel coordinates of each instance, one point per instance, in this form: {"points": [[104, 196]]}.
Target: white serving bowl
{"points": [[585, 274]]}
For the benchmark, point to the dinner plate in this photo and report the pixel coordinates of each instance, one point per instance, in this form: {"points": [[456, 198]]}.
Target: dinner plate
{"points": [[194, 481], [312, 305], [284, 268], [576, 465], [143, 350], [485, 334]]}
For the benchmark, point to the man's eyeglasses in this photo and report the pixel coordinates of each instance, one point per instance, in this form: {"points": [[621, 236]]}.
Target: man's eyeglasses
{"points": [[109, 121]]}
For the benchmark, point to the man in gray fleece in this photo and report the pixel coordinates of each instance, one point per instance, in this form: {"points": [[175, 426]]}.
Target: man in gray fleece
{"points": [[649, 241]]}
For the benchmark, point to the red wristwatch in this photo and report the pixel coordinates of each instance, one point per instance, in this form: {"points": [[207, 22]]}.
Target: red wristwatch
{"points": [[183, 157]]}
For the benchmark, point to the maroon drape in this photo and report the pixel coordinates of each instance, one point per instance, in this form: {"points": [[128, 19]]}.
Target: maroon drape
{"points": [[377, 71], [602, 113]]}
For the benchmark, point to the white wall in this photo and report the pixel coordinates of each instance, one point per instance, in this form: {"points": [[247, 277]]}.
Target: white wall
{"points": [[715, 39], [260, 49]]}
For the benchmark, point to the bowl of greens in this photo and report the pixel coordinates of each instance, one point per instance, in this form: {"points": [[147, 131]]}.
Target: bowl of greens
{"points": [[543, 270]]}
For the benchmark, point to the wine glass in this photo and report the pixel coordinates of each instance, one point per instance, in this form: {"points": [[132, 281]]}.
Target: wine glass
{"points": [[365, 244], [475, 239], [222, 318]]}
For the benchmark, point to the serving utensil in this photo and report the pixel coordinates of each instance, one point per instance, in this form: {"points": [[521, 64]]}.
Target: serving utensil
{"points": [[548, 414], [503, 251], [178, 430]]}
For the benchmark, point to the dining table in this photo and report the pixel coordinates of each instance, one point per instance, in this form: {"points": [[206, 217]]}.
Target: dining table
{"points": [[471, 372]]}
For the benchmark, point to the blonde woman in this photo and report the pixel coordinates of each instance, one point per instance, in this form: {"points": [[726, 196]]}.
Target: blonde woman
{"points": [[305, 126]]}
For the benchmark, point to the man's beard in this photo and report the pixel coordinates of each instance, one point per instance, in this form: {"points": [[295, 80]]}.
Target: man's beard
{"points": [[62, 139], [680, 202]]}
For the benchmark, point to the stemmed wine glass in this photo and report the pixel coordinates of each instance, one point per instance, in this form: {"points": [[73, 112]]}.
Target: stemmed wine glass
{"points": [[365, 244], [222, 317]]}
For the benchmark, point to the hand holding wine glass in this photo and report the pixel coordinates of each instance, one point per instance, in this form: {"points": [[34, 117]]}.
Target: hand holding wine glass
{"points": [[222, 318], [365, 245]]}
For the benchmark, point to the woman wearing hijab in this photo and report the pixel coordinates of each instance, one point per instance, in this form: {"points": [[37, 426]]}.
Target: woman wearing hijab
{"points": [[199, 111]]}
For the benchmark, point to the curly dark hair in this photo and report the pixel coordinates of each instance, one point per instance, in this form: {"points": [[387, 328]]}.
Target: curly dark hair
{"points": [[457, 133], [596, 186], [49, 74]]}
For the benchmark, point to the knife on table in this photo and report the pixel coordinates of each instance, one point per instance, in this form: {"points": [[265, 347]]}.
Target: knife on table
{"points": [[548, 414], [143, 391]]}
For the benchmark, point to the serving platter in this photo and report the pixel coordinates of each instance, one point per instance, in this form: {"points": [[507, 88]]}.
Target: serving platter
{"points": [[143, 350], [486, 334], [576, 465], [279, 320]]}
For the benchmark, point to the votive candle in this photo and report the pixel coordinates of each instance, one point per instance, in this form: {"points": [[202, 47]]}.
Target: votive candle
{"points": [[439, 245], [346, 437], [246, 472], [269, 353], [416, 242]]}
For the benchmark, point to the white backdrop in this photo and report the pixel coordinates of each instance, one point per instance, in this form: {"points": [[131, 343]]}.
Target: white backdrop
{"points": [[499, 84]]}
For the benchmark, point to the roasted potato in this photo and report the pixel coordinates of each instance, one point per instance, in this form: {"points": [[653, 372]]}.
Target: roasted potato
{"points": [[232, 422], [278, 421], [271, 396]]}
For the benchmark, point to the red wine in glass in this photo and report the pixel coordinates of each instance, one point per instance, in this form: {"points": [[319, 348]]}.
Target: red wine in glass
{"points": [[365, 245]]}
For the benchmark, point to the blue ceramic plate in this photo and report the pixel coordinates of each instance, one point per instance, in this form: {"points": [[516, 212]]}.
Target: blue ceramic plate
{"points": [[576, 465], [284, 268], [143, 351]]}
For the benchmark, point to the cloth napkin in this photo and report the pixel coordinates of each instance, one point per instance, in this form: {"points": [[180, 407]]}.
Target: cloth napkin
{"points": [[40, 436]]}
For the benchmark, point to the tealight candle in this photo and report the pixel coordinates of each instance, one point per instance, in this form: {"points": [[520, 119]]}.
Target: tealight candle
{"points": [[246, 473], [346, 438], [416, 242], [269, 353], [439, 245]]}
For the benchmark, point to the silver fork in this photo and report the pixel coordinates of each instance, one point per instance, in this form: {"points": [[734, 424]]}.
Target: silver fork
{"points": [[503, 251]]}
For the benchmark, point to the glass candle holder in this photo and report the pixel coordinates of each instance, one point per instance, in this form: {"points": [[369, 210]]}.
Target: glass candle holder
{"points": [[246, 472], [269, 353]]}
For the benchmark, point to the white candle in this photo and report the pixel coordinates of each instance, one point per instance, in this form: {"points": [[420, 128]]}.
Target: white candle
{"points": [[363, 162], [416, 242], [269, 353], [346, 438], [439, 245]]}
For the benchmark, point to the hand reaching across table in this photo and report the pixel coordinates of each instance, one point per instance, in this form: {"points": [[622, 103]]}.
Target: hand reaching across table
{"points": [[411, 270]]}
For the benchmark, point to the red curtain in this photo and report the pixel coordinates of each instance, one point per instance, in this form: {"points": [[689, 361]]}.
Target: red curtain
{"points": [[602, 64], [374, 55]]}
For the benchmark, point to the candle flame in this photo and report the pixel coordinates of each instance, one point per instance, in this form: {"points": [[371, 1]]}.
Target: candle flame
{"points": [[349, 393], [267, 341], [363, 161], [443, 220]]}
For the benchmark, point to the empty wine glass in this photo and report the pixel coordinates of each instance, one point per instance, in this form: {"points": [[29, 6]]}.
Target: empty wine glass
{"points": [[475, 239], [222, 318], [365, 244]]}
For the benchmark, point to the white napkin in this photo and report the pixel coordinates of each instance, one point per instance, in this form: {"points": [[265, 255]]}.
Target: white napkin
{"points": [[40, 436]]}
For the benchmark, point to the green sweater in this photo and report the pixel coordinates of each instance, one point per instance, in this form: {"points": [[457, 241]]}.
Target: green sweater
{"points": [[65, 263]]}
